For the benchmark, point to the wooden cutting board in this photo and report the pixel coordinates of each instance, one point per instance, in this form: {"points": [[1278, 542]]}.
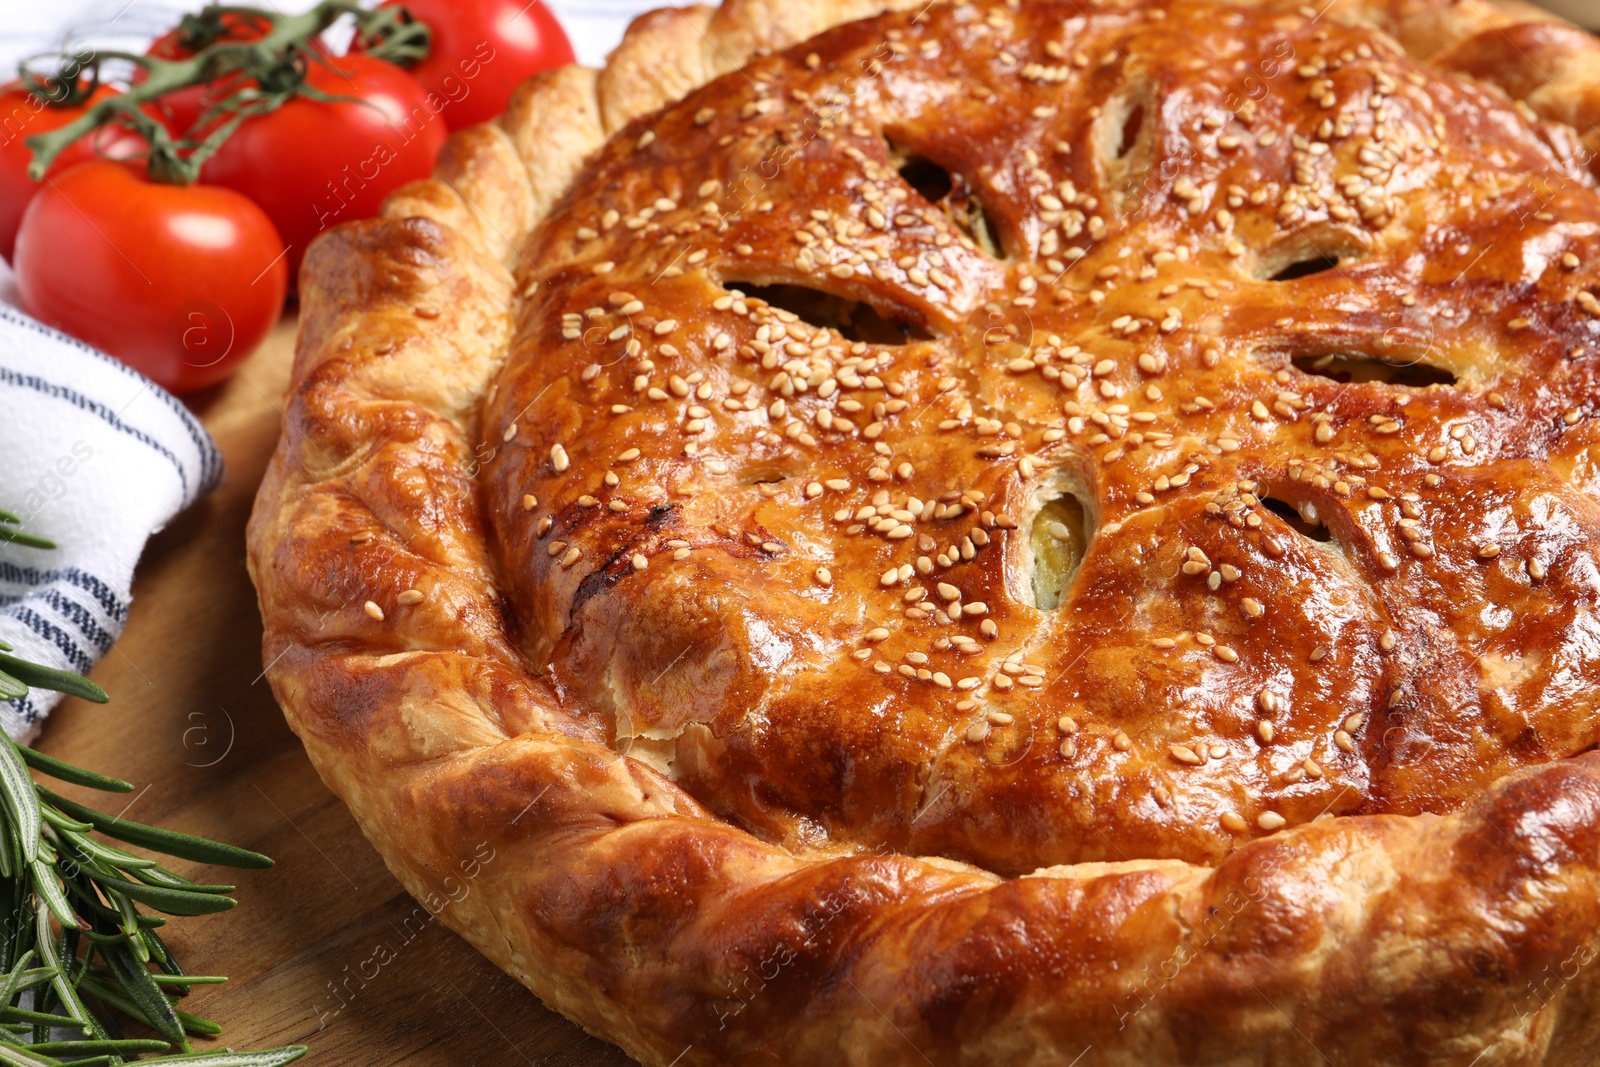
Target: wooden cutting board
{"points": [[325, 949]]}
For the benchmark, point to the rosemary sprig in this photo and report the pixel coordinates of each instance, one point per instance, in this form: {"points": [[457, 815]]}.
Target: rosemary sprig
{"points": [[76, 948]]}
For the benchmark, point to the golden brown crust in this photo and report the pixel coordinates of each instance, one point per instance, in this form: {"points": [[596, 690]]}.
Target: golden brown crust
{"points": [[556, 746]]}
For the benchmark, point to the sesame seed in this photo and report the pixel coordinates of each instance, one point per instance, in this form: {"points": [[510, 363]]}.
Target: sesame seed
{"points": [[374, 611], [1271, 820], [1185, 754], [409, 597]]}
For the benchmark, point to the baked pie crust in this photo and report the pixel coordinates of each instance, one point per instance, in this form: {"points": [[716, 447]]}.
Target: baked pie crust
{"points": [[997, 532]]}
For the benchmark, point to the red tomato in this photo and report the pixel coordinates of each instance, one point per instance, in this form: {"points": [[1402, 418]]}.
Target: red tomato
{"points": [[482, 50], [24, 115], [181, 108], [312, 164], [179, 282]]}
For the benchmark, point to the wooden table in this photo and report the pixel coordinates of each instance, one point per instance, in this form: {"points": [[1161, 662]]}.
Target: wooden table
{"points": [[193, 723]]}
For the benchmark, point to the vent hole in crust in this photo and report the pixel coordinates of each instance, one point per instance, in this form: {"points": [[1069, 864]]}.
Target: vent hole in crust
{"points": [[854, 320], [762, 476], [1304, 520], [1305, 267], [1349, 367], [1059, 540], [1124, 142], [931, 181], [950, 192], [1131, 125]]}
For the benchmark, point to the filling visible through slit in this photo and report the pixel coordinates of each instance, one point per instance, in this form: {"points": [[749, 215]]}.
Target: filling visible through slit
{"points": [[1060, 537], [854, 320], [952, 193], [1303, 519], [1125, 141], [1350, 367], [763, 476]]}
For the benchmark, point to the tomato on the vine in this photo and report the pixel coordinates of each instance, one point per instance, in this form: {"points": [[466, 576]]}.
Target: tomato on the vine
{"points": [[313, 163], [181, 108], [180, 282], [25, 114], [482, 50]]}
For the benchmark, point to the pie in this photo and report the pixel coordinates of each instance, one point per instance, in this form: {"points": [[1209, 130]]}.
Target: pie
{"points": [[1032, 532]]}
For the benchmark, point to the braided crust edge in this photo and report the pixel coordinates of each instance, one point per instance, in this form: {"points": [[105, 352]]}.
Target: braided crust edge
{"points": [[628, 907]]}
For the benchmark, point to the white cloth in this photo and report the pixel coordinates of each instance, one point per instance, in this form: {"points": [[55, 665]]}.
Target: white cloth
{"points": [[95, 458]]}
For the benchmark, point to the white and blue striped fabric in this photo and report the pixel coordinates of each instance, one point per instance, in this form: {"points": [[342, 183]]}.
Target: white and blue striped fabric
{"points": [[95, 458]]}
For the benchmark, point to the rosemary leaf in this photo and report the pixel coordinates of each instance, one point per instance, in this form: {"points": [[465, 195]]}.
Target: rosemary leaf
{"points": [[18, 537], [11, 688], [184, 846], [165, 879], [61, 822], [189, 979], [193, 1024], [49, 890], [152, 1003], [88, 848], [42, 677], [84, 1048], [21, 1057], [13, 980], [16, 789], [66, 772], [272, 1057], [24, 1015], [171, 901], [59, 983]]}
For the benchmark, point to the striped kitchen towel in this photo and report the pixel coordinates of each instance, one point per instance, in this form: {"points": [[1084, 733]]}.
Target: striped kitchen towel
{"points": [[95, 458]]}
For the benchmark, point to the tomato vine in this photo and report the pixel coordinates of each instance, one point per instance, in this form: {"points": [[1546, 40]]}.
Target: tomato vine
{"points": [[251, 77]]}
